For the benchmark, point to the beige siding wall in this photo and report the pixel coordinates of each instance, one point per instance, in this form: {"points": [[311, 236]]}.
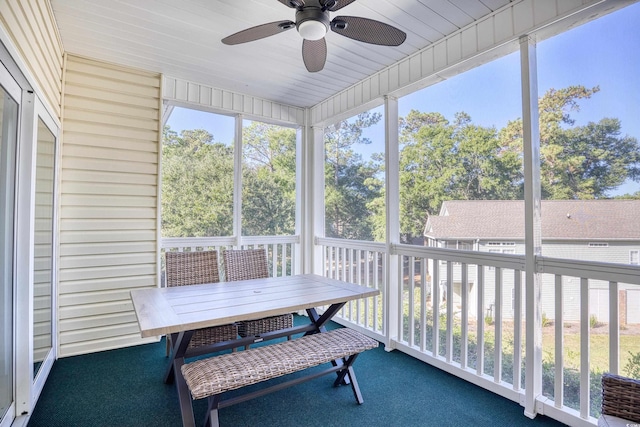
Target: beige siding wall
{"points": [[31, 25], [109, 205]]}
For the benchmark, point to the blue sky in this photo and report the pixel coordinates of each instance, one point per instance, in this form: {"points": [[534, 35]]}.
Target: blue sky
{"points": [[602, 53]]}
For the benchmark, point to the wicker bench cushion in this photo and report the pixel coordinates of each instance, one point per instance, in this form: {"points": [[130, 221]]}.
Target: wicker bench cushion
{"points": [[621, 397], [215, 375]]}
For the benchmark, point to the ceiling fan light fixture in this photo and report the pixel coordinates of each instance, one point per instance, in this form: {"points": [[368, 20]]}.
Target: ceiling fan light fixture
{"points": [[312, 29]]}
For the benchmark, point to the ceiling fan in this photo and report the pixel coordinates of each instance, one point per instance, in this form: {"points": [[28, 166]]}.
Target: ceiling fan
{"points": [[312, 22]]}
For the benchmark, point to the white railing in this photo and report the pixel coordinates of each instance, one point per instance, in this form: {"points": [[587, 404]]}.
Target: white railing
{"points": [[463, 312], [363, 263], [282, 251]]}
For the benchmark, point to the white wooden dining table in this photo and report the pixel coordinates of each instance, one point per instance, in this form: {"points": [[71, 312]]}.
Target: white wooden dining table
{"points": [[181, 310]]}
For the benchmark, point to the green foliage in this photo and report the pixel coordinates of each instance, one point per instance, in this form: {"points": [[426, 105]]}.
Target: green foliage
{"points": [[593, 321], [352, 187], [268, 180], [632, 368], [197, 185]]}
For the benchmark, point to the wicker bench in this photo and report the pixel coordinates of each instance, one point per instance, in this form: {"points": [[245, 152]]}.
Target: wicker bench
{"points": [[620, 401], [215, 375]]}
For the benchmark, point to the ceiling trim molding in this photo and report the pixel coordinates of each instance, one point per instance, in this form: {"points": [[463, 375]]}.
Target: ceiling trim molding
{"points": [[208, 98]]}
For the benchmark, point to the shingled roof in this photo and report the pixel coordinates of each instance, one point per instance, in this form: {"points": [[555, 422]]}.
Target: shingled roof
{"points": [[561, 219]]}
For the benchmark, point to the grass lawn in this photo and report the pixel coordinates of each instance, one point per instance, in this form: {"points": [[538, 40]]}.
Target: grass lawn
{"points": [[598, 346]]}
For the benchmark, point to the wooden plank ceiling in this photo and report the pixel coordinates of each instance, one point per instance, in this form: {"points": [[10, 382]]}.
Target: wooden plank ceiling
{"points": [[182, 39]]}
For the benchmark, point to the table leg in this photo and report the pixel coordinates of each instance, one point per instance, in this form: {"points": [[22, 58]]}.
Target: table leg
{"points": [[186, 410], [180, 344], [320, 321]]}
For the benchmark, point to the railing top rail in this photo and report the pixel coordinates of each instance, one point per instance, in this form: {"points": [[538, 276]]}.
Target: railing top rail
{"points": [[510, 261], [352, 244], [610, 272], [177, 242]]}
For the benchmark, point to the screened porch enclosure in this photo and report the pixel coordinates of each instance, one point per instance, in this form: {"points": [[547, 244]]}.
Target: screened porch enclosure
{"points": [[357, 173]]}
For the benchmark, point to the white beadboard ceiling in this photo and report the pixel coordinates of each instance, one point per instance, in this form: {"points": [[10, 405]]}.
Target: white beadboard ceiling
{"points": [[181, 38]]}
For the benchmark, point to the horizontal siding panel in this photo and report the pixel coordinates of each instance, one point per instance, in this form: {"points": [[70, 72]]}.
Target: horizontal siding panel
{"points": [[112, 130], [110, 260], [107, 224], [120, 120], [88, 310], [107, 284], [109, 107], [83, 298], [108, 204], [99, 333], [88, 93], [103, 200], [113, 72], [113, 212], [96, 321], [110, 85], [108, 165], [85, 347], [92, 152], [103, 272], [71, 176], [70, 249], [107, 236]]}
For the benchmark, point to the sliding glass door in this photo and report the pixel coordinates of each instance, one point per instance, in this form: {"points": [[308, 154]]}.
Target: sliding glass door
{"points": [[9, 92]]}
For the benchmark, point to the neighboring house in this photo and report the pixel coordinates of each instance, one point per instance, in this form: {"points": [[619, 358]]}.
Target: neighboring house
{"points": [[590, 230]]}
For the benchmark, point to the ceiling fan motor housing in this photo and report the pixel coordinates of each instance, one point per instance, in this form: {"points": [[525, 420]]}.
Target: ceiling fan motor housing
{"points": [[312, 14]]}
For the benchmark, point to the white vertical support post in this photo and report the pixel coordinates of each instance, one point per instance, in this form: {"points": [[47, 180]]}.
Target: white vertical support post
{"points": [[315, 198], [25, 236], [299, 260], [237, 182], [614, 328], [533, 240], [392, 206]]}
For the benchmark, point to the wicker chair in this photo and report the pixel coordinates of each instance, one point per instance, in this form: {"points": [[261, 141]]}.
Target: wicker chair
{"points": [[620, 401], [247, 264], [195, 268]]}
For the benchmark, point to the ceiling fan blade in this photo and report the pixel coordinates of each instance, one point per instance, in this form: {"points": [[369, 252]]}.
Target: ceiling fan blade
{"points": [[314, 54], [368, 30], [259, 32], [294, 4], [334, 5]]}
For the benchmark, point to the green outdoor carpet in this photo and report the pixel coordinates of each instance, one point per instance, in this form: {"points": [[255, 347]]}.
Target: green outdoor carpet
{"points": [[124, 388]]}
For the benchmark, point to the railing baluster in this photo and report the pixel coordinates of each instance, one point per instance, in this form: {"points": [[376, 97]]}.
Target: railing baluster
{"points": [[435, 310], [614, 328], [480, 321], [559, 344], [584, 348], [464, 302], [497, 351], [517, 330], [423, 304]]}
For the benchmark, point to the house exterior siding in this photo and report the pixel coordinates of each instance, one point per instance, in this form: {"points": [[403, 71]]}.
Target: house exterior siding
{"points": [[109, 202], [32, 27]]}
